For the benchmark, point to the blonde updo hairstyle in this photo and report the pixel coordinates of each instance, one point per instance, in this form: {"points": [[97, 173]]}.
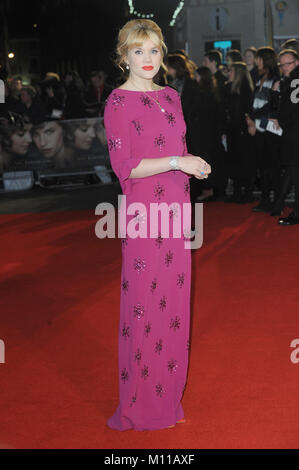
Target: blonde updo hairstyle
{"points": [[133, 34]]}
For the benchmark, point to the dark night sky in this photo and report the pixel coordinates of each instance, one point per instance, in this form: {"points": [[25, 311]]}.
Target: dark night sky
{"points": [[83, 27]]}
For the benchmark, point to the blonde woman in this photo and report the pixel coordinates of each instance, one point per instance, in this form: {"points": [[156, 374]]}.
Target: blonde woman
{"points": [[145, 132]]}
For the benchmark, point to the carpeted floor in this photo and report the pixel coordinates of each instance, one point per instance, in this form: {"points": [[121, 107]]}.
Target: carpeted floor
{"points": [[59, 307]]}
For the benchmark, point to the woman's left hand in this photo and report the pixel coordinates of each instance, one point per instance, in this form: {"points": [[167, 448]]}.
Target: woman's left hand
{"points": [[275, 123]]}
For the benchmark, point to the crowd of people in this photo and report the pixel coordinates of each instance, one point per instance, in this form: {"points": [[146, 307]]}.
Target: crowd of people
{"points": [[242, 120], [239, 117], [56, 98], [54, 124]]}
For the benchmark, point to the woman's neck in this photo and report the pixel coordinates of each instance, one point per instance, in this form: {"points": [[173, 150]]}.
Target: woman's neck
{"points": [[141, 85]]}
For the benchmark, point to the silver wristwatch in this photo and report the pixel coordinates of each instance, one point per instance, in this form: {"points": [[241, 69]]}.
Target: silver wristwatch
{"points": [[174, 163]]}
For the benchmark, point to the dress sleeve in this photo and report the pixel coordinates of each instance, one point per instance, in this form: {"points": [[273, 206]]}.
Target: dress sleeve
{"points": [[117, 127]]}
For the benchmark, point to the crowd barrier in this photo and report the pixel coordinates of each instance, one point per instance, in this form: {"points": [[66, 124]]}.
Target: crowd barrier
{"points": [[65, 150]]}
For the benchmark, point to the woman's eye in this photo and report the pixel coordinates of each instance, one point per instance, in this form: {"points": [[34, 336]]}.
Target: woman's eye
{"points": [[155, 51], [137, 52]]}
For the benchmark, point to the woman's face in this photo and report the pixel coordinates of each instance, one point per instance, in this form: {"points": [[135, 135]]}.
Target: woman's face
{"points": [[25, 97], [20, 141], [49, 139], [144, 61], [224, 71], [249, 58], [231, 74], [83, 136], [171, 72], [229, 60], [260, 63]]}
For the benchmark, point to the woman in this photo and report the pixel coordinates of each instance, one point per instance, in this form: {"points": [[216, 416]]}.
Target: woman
{"points": [[249, 58], [266, 144], [74, 103], [96, 93], [239, 142], [83, 145], [193, 100], [146, 138], [15, 138], [80, 134], [206, 126], [234, 55], [32, 107]]}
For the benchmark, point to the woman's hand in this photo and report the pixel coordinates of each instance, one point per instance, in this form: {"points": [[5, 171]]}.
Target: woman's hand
{"points": [[276, 86], [251, 125], [195, 166], [252, 130], [250, 122], [275, 123]]}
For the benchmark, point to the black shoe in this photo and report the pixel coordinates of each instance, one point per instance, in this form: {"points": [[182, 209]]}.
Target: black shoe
{"points": [[262, 207], [292, 219]]}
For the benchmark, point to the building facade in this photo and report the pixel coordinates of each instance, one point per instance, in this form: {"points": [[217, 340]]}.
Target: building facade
{"points": [[234, 24]]}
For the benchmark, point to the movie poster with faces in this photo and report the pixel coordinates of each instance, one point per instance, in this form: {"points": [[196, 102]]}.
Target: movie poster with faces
{"points": [[57, 144]]}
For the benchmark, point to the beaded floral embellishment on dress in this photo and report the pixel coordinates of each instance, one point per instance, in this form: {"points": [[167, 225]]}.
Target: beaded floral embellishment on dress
{"points": [[160, 142], [117, 100], [146, 101], [138, 127]]}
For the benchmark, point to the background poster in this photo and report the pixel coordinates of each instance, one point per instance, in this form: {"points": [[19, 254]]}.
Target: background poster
{"points": [[56, 144]]}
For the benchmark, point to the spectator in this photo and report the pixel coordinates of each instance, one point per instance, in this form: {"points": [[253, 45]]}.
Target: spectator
{"points": [[266, 143], [185, 55], [233, 56], [53, 95], [224, 70], [32, 107], [97, 93], [183, 81], [74, 105], [291, 44], [207, 132], [15, 85], [239, 142], [249, 57], [213, 60]]}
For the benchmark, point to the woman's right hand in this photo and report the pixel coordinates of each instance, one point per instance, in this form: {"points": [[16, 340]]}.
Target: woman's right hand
{"points": [[195, 166]]}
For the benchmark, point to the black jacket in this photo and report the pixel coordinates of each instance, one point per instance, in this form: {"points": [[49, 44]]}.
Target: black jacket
{"points": [[288, 118], [201, 115]]}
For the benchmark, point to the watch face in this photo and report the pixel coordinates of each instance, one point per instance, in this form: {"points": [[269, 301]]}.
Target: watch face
{"points": [[174, 163]]}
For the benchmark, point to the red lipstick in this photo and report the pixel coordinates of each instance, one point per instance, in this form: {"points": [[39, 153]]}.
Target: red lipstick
{"points": [[148, 67]]}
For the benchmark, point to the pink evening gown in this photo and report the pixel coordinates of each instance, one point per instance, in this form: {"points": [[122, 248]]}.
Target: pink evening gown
{"points": [[154, 322]]}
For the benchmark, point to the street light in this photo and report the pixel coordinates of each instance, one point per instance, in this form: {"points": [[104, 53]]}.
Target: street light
{"points": [[11, 55]]}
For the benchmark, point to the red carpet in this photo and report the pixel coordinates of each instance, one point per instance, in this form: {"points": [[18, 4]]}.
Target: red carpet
{"points": [[59, 307]]}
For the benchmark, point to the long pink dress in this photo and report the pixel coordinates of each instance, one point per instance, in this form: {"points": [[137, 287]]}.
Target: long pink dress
{"points": [[156, 272]]}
